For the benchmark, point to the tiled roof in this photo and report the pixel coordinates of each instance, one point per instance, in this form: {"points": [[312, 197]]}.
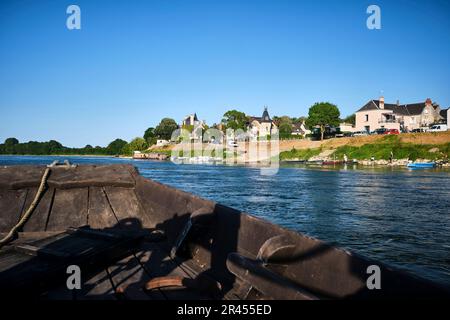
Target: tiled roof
{"points": [[402, 109]]}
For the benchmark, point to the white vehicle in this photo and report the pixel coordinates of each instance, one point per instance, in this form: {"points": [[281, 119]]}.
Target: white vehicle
{"points": [[232, 143], [438, 128], [360, 133]]}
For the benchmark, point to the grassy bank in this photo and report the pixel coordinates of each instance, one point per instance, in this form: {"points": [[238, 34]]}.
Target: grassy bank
{"points": [[302, 154], [380, 149], [401, 150]]}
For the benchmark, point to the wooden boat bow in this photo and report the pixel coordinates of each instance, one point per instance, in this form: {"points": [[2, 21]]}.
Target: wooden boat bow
{"points": [[135, 238]]}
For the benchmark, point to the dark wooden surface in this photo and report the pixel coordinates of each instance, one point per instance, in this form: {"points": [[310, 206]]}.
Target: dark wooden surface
{"points": [[115, 198]]}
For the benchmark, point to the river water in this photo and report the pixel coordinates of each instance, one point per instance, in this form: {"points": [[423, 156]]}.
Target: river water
{"points": [[398, 216]]}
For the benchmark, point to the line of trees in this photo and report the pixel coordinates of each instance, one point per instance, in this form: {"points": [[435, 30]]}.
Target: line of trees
{"points": [[320, 115], [53, 147]]}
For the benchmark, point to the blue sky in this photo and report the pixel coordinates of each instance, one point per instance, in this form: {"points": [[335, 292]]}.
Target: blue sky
{"points": [[135, 62]]}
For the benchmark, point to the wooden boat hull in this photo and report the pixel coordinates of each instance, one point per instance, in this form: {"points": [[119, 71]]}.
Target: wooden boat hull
{"points": [[206, 250]]}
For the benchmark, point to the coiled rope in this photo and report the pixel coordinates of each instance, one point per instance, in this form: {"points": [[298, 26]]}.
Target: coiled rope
{"points": [[37, 197]]}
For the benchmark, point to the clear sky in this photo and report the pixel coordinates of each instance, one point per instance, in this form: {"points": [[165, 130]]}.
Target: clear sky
{"points": [[135, 62]]}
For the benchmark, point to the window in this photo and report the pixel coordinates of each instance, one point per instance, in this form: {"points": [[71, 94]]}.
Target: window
{"points": [[367, 117]]}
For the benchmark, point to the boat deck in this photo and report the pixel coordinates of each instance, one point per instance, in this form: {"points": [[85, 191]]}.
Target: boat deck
{"points": [[134, 238]]}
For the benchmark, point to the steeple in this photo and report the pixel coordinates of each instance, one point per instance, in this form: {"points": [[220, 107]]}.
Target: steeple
{"points": [[265, 116]]}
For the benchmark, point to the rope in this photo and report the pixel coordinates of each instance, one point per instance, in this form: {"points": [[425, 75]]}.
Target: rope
{"points": [[30, 210]]}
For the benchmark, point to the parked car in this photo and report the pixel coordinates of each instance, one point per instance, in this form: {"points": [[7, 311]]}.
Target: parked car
{"points": [[438, 128], [392, 131], [380, 131], [232, 143], [360, 133], [417, 130]]}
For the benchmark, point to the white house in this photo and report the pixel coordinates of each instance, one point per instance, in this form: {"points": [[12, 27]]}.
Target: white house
{"points": [[261, 126], [191, 122], [300, 129]]}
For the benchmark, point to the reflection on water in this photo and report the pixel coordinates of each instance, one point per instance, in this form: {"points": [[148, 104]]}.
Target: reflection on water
{"points": [[397, 216]]}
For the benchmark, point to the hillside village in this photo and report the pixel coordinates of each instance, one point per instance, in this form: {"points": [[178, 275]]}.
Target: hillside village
{"points": [[372, 116], [375, 126]]}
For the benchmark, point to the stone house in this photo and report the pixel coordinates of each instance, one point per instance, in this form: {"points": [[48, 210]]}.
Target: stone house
{"points": [[377, 114]]}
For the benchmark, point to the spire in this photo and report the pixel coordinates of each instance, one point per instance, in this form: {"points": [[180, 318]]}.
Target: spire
{"points": [[265, 115]]}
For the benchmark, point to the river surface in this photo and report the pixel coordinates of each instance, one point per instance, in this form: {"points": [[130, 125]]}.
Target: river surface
{"points": [[398, 216]]}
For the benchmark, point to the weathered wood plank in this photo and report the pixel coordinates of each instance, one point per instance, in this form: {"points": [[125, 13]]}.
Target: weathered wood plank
{"points": [[100, 214], [157, 263], [126, 206], [11, 204], [128, 277], [38, 220], [11, 259], [88, 176], [69, 209], [98, 287], [75, 177]]}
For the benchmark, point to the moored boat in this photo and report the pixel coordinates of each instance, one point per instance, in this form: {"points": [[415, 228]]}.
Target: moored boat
{"points": [[421, 165], [134, 238]]}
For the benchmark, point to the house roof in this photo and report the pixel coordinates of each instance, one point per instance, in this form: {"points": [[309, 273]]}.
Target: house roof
{"points": [[443, 113], [264, 118], [401, 109]]}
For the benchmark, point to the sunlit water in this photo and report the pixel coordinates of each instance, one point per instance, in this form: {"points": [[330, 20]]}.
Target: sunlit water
{"points": [[398, 216]]}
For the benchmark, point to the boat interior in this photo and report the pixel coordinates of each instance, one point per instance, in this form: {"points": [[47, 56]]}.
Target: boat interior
{"points": [[134, 238]]}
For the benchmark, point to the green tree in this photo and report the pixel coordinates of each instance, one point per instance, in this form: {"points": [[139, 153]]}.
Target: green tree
{"points": [[54, 147], [149, 136], [285, 130], [299, 120], [137, 144], [350, 119], [322, 114], [11, 141], [234, 119], [165, 128], [115, 147]]}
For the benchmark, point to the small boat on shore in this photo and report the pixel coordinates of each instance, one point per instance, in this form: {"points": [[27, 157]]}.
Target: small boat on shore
{"points": [[332, 162], [134, 238], [421, 165]]}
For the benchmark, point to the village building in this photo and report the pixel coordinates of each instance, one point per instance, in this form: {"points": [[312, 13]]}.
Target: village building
{"points": [[261, 126], [195, 126], [377, 114], [300, 129], [445, 116], [347, 127]]}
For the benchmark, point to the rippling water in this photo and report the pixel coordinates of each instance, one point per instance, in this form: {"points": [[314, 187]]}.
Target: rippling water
{"points": [[398, 216]]}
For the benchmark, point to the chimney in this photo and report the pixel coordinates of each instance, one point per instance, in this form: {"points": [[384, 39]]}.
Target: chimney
{"points": [[381, 102], [428, 102]]}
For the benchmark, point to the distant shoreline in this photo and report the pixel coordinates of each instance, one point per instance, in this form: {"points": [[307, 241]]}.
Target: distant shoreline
{"points": [[65, 155]]}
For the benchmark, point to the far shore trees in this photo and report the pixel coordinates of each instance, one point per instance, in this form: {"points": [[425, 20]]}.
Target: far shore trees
{"points": [[53, 147], [11, 141], [149, 136], [235, 120], [115, 147], [323, 114], [165, 128], [351, 119], [284, 126], [137, 144]]}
